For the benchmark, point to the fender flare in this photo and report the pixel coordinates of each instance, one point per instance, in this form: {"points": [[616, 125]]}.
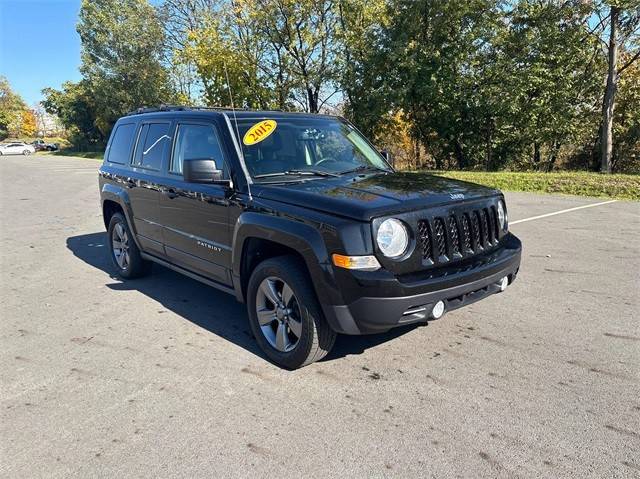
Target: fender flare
{"points": [[303, 238], [120, 196]]}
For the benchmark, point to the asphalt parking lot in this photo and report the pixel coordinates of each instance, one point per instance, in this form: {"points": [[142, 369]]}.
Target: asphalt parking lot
{"points": [[159, 377]]}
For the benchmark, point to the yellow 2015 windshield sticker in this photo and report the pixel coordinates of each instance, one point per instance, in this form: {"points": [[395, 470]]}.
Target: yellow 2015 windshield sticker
{"points": [[259, 132]]}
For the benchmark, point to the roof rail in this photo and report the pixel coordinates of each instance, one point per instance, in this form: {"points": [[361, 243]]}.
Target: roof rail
{"points": [[154, 109], [139, 111]]}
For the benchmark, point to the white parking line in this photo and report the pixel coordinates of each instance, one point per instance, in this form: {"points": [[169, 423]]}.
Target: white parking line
{"points": [[561, 212]]}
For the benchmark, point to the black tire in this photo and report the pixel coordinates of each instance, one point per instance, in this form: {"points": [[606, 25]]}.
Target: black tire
{"points": [[26, 152], [134, 266], [317, 338]]}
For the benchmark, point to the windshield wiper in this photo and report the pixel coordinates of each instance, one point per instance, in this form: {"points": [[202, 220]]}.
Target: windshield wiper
{"points": [[363, 168], [297, 173]]}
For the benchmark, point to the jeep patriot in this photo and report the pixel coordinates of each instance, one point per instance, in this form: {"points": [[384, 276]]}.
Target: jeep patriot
{"points": [[302, 219]]}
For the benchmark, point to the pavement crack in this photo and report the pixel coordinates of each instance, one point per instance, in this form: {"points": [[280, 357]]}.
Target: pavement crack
{"points": [[622, 336], [626, 432]]}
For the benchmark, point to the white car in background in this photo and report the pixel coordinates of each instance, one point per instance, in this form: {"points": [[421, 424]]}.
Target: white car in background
{"points": [[16, 148]]}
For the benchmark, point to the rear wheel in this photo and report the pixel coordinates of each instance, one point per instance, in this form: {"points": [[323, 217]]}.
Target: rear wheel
{"points": [[284, 314], [26, 152], [125, 254]]}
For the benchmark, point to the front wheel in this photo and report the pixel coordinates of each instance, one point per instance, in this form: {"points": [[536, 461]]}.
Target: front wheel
{"points": [[26, 152], [284, 314]]}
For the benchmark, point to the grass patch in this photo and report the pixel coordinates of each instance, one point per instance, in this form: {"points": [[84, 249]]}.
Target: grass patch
{"points": [[625, 187], [94, 155]]}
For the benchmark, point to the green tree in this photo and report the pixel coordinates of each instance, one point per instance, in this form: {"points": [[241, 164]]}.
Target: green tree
{"points": [[435, 53], [74, 105], [547, 78], [11, 107], [488, 85], [227, 46], [620, 21], [626, 123], [277, 53], [180, 18], [303, 34], [361, 67], [122, 49]]}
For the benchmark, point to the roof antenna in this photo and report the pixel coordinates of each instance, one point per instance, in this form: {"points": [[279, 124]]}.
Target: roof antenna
{"points": [[235, 119]]}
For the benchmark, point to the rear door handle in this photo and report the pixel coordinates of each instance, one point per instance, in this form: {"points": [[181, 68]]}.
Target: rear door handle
{"points": [[170, 193]]}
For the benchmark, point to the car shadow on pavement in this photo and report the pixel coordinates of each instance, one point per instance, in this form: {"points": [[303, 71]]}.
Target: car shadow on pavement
{"points": [[213, 310]]}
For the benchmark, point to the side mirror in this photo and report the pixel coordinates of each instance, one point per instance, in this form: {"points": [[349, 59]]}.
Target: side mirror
{"points": [[202, 170], [387, 156]]}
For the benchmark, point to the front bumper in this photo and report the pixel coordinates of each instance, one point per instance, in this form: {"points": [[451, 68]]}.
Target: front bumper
{"points": [[388, 302]]}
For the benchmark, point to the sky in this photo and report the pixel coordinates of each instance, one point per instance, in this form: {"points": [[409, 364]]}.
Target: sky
{"points": [[39, 46]]}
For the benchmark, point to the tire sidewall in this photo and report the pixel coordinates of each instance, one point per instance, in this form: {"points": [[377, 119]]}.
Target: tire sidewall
{"points": [[295, 358], [115, 219]]}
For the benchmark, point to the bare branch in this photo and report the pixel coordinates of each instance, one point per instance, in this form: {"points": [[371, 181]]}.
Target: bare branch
{"points": [[629, 63]]}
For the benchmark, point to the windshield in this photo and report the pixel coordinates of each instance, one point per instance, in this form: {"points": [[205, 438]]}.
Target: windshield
{"points": [[305, 146]]}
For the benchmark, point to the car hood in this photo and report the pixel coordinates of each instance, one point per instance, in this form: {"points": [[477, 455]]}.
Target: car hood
{"points": [[364, 197]]}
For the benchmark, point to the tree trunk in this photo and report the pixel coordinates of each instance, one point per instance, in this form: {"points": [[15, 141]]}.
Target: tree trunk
{"points": [[608, 104], [282, 100], [593, 161], [553, 156], [462, 161], [312, 95], [489, 152], [438, 160], [536, 154]]}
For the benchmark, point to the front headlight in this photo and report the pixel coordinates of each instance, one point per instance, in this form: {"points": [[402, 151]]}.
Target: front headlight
{"points": [[502, 216], [392, 238]]}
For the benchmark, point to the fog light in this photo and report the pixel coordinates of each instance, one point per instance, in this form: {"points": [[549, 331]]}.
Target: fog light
{"points": [[438, 310], [504, 282]]}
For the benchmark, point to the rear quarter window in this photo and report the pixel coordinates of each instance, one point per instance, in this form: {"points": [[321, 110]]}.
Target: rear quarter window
{"points": [[119, 150]]}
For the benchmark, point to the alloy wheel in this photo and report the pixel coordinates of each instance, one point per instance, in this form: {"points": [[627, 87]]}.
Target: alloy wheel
{"points": [[120, 243], [278, 313]]}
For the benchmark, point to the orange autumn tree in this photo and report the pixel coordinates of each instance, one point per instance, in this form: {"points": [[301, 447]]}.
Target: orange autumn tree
{"points": [[28, 127]]}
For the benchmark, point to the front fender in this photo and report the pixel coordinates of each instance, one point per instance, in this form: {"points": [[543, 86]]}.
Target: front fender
{"points": [[303, 238]]}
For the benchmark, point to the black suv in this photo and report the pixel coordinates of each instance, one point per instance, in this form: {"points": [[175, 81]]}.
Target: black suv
{"points": [[299, 216]]}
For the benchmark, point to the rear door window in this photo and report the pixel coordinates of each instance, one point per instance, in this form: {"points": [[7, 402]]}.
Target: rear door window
{"points": [[120, 146], [153, 144]]}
